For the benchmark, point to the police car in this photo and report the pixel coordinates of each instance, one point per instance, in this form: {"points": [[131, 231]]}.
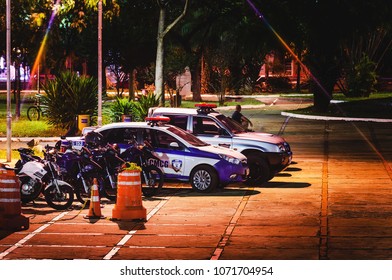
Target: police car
{"points": [[267, 154], [182, 156]]}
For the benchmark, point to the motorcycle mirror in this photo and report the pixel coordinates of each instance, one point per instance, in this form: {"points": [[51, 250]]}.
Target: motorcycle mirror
{"points": [[57, 146]]}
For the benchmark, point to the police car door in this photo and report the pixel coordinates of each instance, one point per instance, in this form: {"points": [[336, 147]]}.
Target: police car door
{"points": [[208, 130], [171, 153]]}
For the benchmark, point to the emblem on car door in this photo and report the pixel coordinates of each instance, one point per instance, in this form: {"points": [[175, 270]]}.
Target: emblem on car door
{"points": [[177, 164]]}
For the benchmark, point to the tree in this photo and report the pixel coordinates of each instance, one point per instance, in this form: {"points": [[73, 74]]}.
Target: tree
{"points": [[24, 36], [130, 40], [162, 31], [223, 35], [327, 27]]}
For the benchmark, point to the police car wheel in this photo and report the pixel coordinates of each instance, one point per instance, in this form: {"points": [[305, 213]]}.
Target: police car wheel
{"points": [[259, 170], [204, 179]]}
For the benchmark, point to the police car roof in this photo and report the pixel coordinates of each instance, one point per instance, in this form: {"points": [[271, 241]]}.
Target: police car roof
{"points": [[179, 111], [129, 125]]}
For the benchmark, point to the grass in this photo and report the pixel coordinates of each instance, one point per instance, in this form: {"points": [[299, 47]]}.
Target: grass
{"points": [[22, 127], [244, 101], [26, 128], [3, 154], [377, 106]]}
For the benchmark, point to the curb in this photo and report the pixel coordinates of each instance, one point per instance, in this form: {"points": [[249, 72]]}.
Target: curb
{"points": [[232, 108], [325, 118], [27, 139]]}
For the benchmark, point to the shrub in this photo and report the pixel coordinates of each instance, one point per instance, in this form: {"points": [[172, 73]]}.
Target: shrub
{"points": [[68, 96], [362, 78], [122, 106], [140, 110]]}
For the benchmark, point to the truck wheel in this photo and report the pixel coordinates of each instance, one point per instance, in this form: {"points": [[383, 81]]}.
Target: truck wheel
{"points": [[259, 171]]}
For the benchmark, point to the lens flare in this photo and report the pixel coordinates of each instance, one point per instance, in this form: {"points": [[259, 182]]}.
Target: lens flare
{"points": [[287, 47], [371, 145], [43, 43]]}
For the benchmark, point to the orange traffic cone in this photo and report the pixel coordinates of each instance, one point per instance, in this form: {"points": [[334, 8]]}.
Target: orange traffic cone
{"points": [[10, 204], [129, 197], [94, 211]]}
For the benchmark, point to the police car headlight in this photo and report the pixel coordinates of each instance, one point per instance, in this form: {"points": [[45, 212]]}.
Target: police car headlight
{"points": [[282, 148], [230, 159]]}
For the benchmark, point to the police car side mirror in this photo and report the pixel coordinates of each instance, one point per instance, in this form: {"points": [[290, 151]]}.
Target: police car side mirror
{"points": [[174, 145]]}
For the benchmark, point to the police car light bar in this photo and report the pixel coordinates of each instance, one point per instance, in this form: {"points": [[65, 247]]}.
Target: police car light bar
{"points": [[205, 107], [156, 120]]}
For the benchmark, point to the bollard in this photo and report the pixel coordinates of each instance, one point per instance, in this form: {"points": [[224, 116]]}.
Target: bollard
{"points": [[129, 204], [10, 204]]}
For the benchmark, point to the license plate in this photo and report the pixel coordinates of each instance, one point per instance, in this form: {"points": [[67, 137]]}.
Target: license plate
{"points": [[77, 143]]}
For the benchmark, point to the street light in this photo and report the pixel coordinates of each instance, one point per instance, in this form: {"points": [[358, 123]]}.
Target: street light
{"points": [[100, 63], [8, 50]]}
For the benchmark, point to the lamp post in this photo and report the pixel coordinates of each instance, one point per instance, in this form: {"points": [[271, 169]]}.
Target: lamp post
{"points": [[100, 63], [8, 50]]}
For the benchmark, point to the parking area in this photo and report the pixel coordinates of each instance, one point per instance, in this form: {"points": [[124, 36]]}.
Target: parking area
{"points": [[333, 202]]}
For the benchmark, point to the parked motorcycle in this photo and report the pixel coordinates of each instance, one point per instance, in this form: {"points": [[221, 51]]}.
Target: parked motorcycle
{"points": [[151, 176], [41, 176], [111, 160], [78, 168], [30, 189]]}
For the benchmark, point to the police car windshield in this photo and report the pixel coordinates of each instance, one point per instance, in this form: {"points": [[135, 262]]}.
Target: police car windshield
{"points": [[190, 138], [230, 124]]}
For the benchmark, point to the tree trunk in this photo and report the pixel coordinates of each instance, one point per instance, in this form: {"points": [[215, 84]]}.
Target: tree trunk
{"points": [[131, 83], [196, 83], [162, 31], [324, 76], [159, 89], [203, 75], [322, 91], [298, 84], [17, 91]]}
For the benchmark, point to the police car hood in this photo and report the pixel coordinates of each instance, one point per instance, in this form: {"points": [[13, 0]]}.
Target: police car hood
{"points": [[259, 136], [222, 150]]}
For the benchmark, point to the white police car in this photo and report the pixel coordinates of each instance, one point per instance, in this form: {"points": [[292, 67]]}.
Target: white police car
{"points": [[182, 155], [267, 154]]}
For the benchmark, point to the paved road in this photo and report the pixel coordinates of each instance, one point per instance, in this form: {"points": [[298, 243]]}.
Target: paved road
{"points": [[333, 202]]}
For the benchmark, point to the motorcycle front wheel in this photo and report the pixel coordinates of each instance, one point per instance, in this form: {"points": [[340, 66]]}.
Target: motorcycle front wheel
{"points": [[29, 189], [82, 194], [59, 200], [152, 180]]}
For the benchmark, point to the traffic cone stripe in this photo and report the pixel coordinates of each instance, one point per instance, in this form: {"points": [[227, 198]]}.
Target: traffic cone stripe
{"points": [[7, 200], [7, 181], [95, 199], [9, 190], [134, 183], [129, 174]]}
